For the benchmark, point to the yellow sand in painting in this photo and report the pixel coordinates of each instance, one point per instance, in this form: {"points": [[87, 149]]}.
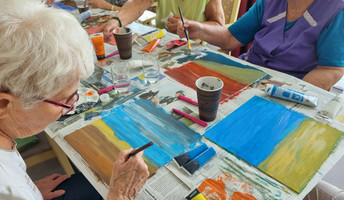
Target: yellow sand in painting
{"points": [[298, 156], [242, 75], [110, 135]]}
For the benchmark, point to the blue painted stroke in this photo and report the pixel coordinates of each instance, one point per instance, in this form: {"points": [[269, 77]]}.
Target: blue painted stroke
{"points": [[254, 129], [140, 122], [218, 58]]}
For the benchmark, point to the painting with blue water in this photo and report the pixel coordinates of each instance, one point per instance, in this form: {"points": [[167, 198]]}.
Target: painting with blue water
{"points": [[131, 126]]}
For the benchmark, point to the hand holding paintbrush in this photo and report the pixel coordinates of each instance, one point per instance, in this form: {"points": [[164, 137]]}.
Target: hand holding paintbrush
{"points": [[185, 31], [134, 152]]}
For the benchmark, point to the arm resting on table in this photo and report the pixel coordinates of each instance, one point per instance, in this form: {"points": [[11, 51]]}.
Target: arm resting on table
{"points": [[324, 77]]}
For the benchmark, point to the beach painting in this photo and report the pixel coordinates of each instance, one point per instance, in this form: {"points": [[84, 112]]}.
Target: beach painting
{"points": [[131, 126]]}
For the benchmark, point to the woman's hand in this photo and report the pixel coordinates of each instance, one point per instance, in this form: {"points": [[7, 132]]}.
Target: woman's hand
{"points": [[128, 176], [194, 29], [172, 23], [48, 184]]}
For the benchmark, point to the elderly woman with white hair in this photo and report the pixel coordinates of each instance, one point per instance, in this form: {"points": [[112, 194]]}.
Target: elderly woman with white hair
{"points": [[44, 54]]}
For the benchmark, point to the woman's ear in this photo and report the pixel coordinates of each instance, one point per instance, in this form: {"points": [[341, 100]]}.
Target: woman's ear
{"points": [[5, 100]]}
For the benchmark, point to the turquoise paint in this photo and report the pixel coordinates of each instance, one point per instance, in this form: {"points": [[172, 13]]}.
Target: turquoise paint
{"points": [[141, 121], [253, 138], [218, 58]]}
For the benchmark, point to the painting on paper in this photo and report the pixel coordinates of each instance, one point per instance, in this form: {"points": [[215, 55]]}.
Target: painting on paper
{"points": [[235, 76], [284, 144], [131, 126], [236, 182]]}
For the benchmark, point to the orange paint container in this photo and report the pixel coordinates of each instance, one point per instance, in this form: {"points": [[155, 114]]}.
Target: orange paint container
{"points": [[98, 43]]}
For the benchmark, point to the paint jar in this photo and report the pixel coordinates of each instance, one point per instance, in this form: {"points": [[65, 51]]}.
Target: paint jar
{"points": [[120, 76], [209, 89], [150, 68]]}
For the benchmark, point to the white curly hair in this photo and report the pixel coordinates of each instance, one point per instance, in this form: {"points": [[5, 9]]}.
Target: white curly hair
{"points": [[42, 50]]}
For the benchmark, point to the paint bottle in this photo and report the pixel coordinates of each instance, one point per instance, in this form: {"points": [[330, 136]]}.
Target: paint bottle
{"points": [[155, 35], [331, 109], [98, 43], [290, 95]]}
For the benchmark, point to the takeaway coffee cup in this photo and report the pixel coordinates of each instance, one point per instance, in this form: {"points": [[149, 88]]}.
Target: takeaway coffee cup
{"points": [[123, 37], [209, 91]]}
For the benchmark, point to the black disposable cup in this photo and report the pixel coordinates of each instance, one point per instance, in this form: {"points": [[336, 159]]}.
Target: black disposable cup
{"points": [[123, 37], [209, 91]]}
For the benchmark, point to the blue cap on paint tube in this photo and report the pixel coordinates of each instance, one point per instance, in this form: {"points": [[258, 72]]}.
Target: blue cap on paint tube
{"points": [[182, 159], [199, 161]]}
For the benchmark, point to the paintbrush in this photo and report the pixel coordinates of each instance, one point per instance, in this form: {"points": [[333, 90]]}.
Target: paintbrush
{"points": [[185, 31], [133, 153]]}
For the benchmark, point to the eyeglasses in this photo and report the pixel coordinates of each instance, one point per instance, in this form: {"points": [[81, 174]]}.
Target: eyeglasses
{"points": [[69, 105]]}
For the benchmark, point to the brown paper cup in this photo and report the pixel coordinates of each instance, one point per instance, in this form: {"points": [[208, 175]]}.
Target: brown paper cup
{"points": [[209, 91], [123, 37]]}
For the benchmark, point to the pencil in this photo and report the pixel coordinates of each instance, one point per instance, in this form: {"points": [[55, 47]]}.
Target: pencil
{"points": [[133, 153], [185, 31]]}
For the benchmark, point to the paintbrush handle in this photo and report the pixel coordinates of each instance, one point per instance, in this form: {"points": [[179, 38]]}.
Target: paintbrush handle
{"points": [[133, 153], [192, 118], [112, 87], [112, 54], [182, 18]]}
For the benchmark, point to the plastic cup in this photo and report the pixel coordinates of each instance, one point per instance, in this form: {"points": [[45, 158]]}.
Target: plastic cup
{"points": [[150, 68], [82, 5], [120, 77], [209, 91]]}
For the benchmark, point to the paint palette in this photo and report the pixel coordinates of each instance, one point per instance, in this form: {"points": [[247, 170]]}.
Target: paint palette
{"points": [[87, 99]]}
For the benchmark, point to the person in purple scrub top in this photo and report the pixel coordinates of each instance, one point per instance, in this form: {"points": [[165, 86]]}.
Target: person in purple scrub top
{"points": [[303, 38]]}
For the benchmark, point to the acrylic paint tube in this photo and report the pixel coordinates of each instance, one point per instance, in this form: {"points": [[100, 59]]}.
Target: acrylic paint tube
{"points": [[98, 43], [151, 46], [331, 109], [184, 158], [175, 43], [155, 35], [84, 15], [290, 95], [199, 161], [195, 195]]}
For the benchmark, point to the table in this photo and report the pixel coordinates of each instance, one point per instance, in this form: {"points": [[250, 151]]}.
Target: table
{"points": [[169, 182]]}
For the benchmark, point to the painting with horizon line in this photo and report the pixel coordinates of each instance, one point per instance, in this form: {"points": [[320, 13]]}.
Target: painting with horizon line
{"points": [[236, 76], [288, 146], [131, 126]]}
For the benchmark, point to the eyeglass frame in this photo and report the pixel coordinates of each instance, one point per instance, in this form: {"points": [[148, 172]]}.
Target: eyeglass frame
{"points": [[70, 107]]}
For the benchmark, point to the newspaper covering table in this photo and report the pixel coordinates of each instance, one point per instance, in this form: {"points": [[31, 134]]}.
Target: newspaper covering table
{"points": [[171, 183]]}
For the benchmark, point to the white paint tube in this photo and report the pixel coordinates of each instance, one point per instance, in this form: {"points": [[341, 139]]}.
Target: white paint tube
{"points": [[290, 95], [331, 109]]}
